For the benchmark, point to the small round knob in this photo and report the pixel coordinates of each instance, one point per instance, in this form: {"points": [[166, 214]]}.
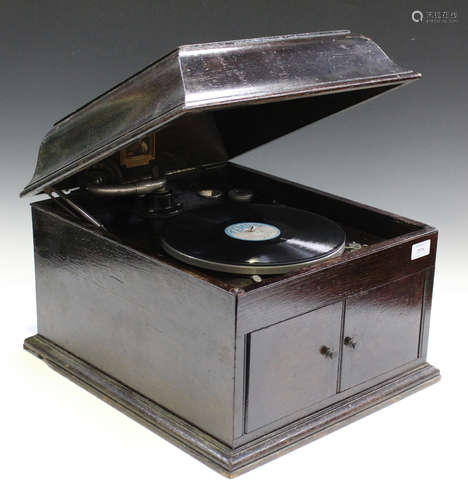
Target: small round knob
{"points": [[241, 194], [328, 352], [210, 194], [351, 342]]}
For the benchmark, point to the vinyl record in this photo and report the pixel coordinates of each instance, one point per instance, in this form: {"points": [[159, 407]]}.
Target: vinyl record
{"points": [[252, 238]]}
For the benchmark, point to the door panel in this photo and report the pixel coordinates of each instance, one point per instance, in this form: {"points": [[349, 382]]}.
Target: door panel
{"points": [[381, 330], [290, 367]]}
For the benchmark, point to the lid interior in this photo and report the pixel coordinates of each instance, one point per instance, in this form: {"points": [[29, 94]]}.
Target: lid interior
{"points": [[214, 136]]}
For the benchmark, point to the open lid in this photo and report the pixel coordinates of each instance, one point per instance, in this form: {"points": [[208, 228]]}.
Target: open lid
{"points": [[210, 102]]}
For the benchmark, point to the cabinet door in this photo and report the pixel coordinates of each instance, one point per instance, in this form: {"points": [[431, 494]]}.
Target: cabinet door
{"points": [[381, 330], [292, 365]]}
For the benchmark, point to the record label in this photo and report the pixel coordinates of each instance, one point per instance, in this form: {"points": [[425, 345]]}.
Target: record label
{"points": [[252, 231]]}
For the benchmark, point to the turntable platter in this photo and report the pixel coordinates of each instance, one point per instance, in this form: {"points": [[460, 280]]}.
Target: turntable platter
{"points": [[252, 239]]}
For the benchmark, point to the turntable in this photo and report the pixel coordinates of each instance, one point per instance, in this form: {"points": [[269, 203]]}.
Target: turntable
{"points": [[237, 314], [257, 239]]}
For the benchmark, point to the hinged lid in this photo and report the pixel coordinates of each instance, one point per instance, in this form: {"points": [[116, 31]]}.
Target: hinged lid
{"points": [[211, 102]]}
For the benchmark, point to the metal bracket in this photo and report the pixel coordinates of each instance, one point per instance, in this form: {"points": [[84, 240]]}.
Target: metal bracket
{"points": [[71, 207]]}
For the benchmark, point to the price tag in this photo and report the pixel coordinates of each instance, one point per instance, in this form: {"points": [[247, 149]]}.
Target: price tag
{"points": [[420, 249]]}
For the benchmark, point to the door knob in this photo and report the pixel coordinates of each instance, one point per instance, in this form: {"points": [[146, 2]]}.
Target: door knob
{"points": [[351, 342], [328, 352]]}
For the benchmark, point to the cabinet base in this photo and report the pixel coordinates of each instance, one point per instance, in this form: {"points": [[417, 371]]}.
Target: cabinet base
{"points": [[217, 455]]}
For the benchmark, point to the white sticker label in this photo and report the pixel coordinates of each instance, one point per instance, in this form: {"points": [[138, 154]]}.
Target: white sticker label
{"points": [[420, 249]]}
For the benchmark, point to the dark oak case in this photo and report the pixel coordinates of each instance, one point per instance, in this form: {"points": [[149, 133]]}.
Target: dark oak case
{"points": [[232, 370]]}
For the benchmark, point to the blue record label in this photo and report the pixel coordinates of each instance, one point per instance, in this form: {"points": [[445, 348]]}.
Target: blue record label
{"points": [[252, 231]]}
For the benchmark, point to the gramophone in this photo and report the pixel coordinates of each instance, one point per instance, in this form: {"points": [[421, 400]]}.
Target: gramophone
{"points": [[237, 314]]}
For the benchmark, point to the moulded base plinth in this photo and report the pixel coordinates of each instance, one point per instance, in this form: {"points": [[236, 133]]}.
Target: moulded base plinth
{"points": [[217, 455]]}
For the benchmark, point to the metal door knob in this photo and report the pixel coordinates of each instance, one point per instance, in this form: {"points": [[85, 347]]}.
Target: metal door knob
{"points": [[351, 342], [328, 352]]}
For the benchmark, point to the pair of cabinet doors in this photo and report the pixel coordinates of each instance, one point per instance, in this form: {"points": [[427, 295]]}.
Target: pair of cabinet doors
{"points": [[302, 361]]}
